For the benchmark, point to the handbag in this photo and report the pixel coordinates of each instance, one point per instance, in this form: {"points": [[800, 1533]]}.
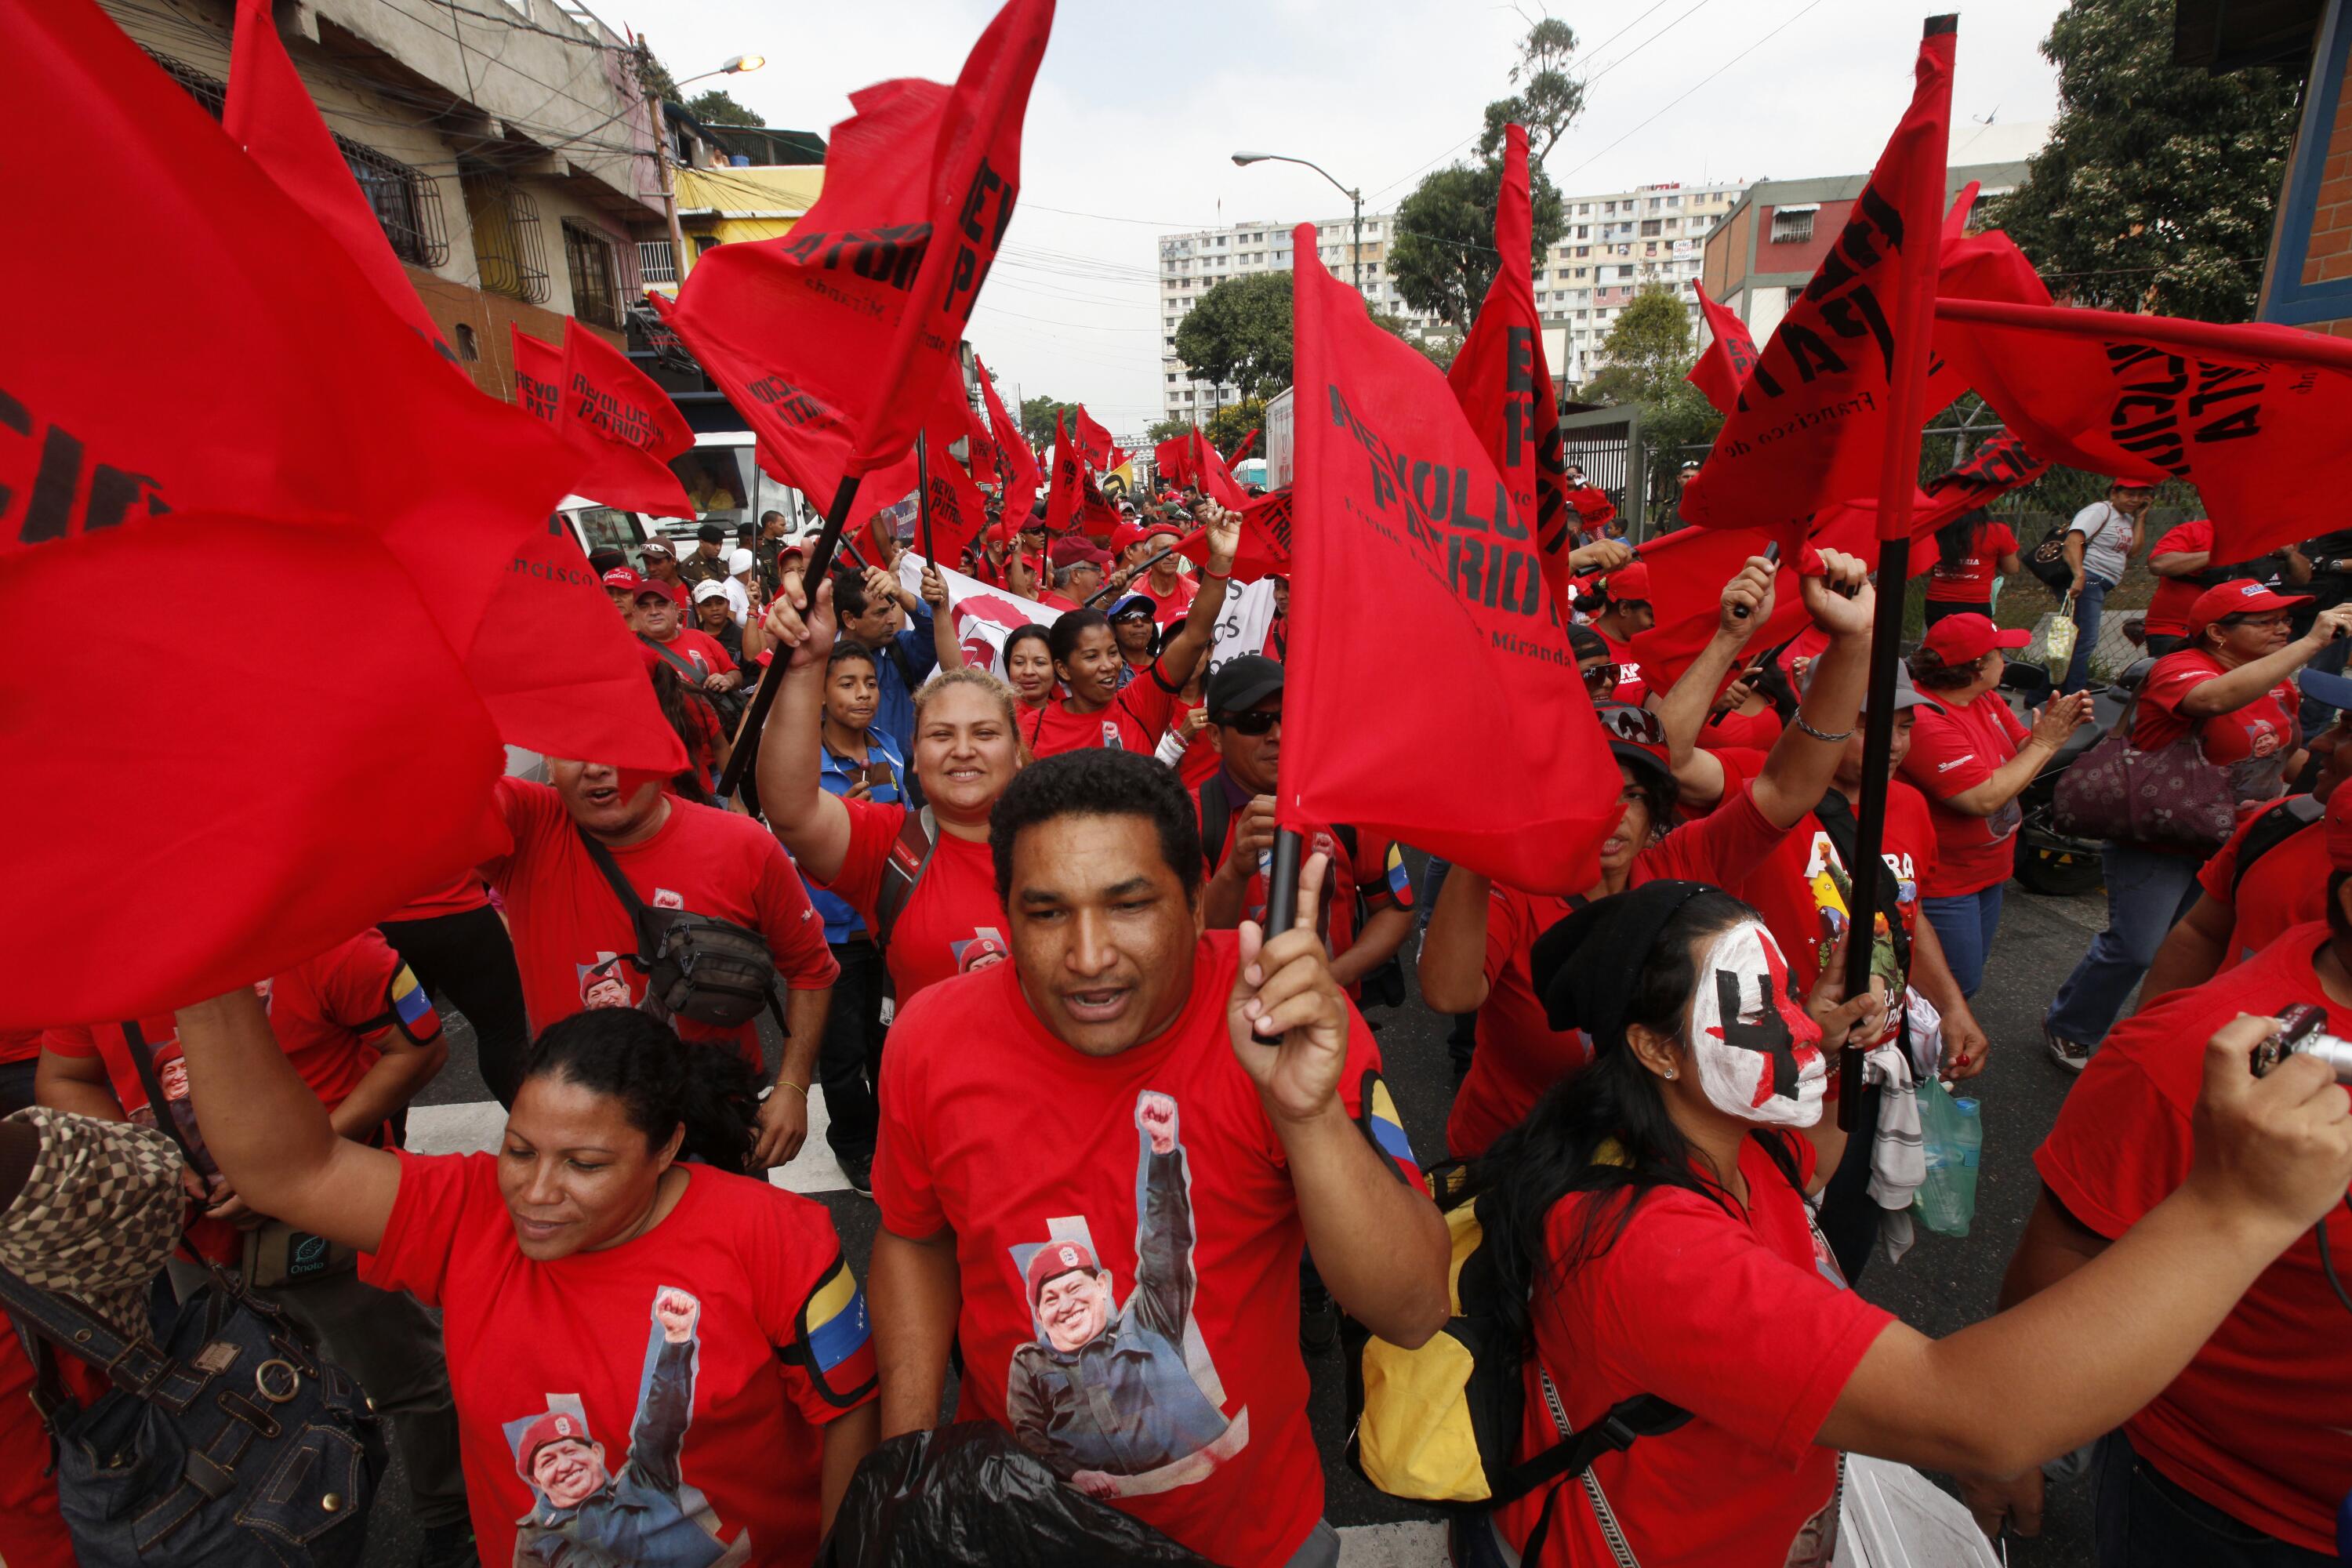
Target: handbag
{"points": [[2048, 561], [2168, 798], [697, 966], [226, 1441]]}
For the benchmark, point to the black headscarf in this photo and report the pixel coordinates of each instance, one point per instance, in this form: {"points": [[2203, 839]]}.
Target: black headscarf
{"points": [[1588, 968]]}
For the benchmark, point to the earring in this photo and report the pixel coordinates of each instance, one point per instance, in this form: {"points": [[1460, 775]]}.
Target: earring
{"points": [[1670, 1072]]}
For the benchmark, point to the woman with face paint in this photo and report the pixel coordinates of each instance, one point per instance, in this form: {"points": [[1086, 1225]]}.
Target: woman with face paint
{"points": [[1651, 1213], [1475, 954]]}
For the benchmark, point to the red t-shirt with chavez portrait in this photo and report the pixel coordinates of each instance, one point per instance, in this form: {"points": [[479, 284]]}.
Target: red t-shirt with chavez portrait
{"points": [[953, 922], [1739, 1317], [573, 939], [1173, 1389], [2254, 1425], [659, 1401], [2254, 741], [1952, 753]]}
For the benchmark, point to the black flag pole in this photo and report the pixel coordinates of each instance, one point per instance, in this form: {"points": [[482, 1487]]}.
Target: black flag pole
{"points": [[1142, 567], [923, 495], [1922, 208], [763, 695]]}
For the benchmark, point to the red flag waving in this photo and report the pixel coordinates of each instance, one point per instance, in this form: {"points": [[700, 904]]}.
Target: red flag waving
{"points": [[1505, 388], [833, 339], [627, 426], [1014, 459], [958, 510], [1173, 457], [1241, 449], [1807, 429], [980, 443], [1092, 439], [538, 377], [1265, 539], [2258, 417], [1061, 501], [1210, 473], [1722, 370], [1402, 524]]}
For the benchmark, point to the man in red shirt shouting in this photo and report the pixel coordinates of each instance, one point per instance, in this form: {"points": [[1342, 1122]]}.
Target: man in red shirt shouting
{"points": [[1140, 1102]]}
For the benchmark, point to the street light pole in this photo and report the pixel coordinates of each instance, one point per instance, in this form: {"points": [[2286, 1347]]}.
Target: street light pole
{"points": [[739, 63], [1355, 199]]}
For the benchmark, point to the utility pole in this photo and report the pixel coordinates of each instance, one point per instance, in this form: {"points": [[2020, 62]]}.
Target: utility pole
{"points": [[661, 157]]}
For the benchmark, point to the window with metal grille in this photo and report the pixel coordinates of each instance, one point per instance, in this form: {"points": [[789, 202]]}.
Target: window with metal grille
{"points": [[588, 257], [508, 251], [405, 203], [1792, 226]]}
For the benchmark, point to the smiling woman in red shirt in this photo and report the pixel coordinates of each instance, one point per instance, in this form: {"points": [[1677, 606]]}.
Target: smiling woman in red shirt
{"points": [[921, 880], [656, 1358], [1482, 934], [1650, 1213]]}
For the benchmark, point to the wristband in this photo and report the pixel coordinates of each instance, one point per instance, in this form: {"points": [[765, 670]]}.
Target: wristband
{"points": [[1836, 740], [1220, 576]]}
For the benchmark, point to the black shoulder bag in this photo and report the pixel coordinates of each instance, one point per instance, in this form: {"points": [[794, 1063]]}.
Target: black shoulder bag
{"points": [[697, 966]]}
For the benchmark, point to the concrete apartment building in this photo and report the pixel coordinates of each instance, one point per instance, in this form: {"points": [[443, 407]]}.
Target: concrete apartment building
{"points": [[505, 147], [1611, 245]]}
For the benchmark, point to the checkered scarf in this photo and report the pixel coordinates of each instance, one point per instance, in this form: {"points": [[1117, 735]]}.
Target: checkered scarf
{"points": [[99, 1215]]}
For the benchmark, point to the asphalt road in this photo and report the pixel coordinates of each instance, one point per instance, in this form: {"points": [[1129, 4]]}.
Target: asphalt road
{"points": [[1941, 1286]]}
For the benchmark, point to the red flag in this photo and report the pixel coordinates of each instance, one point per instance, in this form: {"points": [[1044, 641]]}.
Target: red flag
{"points": [[980, 444], [631, 430], [833, 337], [1013, 457], [1405, 533], [1689, 567], [559, 673], [1956, 221], [1061, 501], [1265, 539], [1093, 440], [1242, 450], [1208, 472], [270, 113], [959, 512], [1505, 387], [1722, 370], [1173, 457], [2258, 417], [1809, 427], [538, 377]]}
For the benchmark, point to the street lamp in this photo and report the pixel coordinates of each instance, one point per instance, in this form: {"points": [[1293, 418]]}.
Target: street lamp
{"points": [[735, 65], [1356, 197]]}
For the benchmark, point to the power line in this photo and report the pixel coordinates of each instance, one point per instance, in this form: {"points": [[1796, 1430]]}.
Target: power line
{"points": [[1645, 43], [1696, 86]]}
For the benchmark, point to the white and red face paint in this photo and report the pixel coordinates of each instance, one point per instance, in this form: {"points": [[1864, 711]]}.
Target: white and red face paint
{"points": [[1759, 1057]]}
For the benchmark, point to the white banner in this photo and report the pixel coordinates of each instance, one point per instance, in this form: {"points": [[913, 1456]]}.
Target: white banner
{"points": [[986, 615]]}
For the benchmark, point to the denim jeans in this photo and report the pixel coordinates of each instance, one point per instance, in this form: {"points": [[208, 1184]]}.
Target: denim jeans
{"points": [[1965, 924], [2141, 1519], [2147, 892], [2087, 604], [2318, 715]]}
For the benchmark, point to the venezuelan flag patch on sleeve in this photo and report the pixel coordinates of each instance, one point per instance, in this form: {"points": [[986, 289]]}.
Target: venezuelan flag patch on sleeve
{"points": [[1385, 1127], [836, 1339], [1400, 880], [413, 1007]]}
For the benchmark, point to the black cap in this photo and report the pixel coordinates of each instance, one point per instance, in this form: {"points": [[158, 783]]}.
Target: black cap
{"points": [[710, 533], [1242, 683], [1585, 643]]}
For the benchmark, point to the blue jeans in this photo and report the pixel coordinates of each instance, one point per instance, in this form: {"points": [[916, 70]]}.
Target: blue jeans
{"points": [[2318, 715], [2087, 604], [2141, 1519], [1965, 925], [2147, 892]]}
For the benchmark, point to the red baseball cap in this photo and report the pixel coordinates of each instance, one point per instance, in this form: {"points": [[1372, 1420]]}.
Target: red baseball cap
{"points": [[2125, 482], [1074, 551], [555, 1426], [646, 587], [1126, 533], [2338, 827], [1631, 581], [1053, 1260], [2239, 596], [622, 577], [1963, 639]]}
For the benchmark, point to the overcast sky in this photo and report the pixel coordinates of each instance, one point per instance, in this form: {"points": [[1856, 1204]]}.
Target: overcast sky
{"points": [[1137, 112]]}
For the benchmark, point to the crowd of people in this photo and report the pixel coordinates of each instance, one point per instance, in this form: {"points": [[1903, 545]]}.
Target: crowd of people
{"points": [[1131, 1149]]}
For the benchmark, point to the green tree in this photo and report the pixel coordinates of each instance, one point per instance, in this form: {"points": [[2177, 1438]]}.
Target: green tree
{"points": [[1548, 100], [1229, 424], [1442, 258], [1038, 417], [1240, 333], [1646, 355], [2156, 190], [718, 107], [1166, 430]]}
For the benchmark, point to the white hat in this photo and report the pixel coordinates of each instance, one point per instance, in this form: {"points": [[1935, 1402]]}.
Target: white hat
{"points": [[741, 561], [713, 589]]}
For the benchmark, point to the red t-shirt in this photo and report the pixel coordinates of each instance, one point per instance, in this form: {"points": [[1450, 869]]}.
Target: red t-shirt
{"points": [[1519, 1055], [454, 897], [1190, 1397], [572, 939], [2254, 741], [1200, 758], [32, 1534], [1377, 869], [1800, 888], [708, 1440], [1751, 732], [2254, 1425], [1970, 582], [1133, 721], [954, 920], [19, 1044], [1173, 606], [1743, 1320], [1630, 687], [1954, 751], [2167, 612], [701, 649], [2286, 886]]}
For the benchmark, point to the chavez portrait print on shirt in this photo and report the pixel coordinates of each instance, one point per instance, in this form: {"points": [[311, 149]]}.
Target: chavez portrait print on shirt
{"points": [[1122, 1400], [593, 1506]]}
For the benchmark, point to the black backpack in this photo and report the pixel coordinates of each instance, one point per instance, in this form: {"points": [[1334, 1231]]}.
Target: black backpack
{"points": [[697, 966], [227, 1441], [1381, 987], [2277, 822]]}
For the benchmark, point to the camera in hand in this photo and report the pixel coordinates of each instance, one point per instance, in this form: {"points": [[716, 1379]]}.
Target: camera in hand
{"points": [[2302, 1031]]}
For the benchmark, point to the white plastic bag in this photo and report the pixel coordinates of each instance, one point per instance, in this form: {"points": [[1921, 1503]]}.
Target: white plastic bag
{"points": [[1891, 1516], [2052, 645]]}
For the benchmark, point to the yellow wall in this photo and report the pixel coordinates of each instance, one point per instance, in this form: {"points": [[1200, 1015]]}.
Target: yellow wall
{"points": [[737, 205]]}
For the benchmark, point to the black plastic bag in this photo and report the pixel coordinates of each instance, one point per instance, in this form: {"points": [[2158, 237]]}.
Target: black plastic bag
{"points": [[970, 1495]]}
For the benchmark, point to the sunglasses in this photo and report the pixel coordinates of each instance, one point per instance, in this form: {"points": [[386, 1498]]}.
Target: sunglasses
{"points": [[1132, 619], [1600, 678], [1256, 721]]}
